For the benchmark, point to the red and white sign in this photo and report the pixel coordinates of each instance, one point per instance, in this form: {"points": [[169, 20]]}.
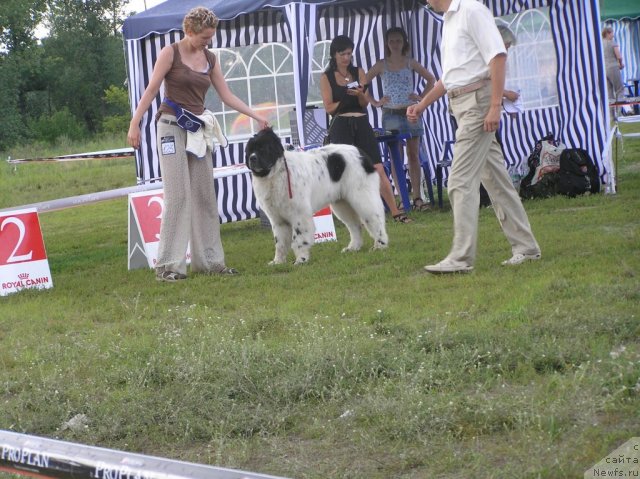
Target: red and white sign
{"points": [[145, 216], [325, 228], [23, 258]]}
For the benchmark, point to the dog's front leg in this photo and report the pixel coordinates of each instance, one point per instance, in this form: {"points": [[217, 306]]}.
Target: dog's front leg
{"points": [[303, 232], [282, 238]]}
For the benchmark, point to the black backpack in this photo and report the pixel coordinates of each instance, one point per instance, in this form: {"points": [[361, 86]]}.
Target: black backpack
{"points": [[578, 173], [546, 186]]}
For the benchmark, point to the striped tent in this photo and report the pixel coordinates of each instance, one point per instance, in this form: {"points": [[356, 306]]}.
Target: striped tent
{"points": [[579, 120]]}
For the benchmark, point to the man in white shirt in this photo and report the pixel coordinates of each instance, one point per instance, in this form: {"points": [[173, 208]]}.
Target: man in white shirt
{"points": [[473, 75]]}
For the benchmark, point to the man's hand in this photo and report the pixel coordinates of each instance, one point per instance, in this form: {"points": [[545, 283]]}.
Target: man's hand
{"points": [[492, 120], [414, 112]]}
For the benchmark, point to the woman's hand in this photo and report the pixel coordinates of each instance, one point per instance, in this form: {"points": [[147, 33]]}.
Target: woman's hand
{"points": [[381, 102], [357, 91], [511, 95], [262, 122], [133, 136]]}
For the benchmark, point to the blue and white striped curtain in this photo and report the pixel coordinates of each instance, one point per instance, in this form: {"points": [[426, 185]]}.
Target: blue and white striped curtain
{"points": [[301, 18], [580, 120], [581, 77]]}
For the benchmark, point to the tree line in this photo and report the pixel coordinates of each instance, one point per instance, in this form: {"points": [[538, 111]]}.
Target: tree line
{"points": [[72, 82]]}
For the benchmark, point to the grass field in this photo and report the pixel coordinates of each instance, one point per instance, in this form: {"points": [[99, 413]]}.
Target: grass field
{"points": [[353, 366]]}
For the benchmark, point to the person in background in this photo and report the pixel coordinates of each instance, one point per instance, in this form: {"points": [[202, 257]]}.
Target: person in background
{"points": [[347, 104], [397, 72], [509, 39], [473, 75], [190, 212], [613, 63], [613, 66]]}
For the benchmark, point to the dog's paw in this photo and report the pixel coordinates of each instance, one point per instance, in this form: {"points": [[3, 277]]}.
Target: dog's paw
{"points": [[350, 248], [275, 262]]}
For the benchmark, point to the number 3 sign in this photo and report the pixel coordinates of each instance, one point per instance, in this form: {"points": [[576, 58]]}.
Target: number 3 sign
{"points": [[145, 215], [23, 259]]}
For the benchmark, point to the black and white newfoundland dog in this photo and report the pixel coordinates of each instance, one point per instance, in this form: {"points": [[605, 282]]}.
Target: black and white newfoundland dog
{"points": [[291, 186]]}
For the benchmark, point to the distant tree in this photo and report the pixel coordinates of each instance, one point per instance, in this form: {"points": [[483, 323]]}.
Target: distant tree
{"points": [[18, 21], [117, 119], [59, 124], [18, 59], [85, 56], [12, 128], [67, 74]]}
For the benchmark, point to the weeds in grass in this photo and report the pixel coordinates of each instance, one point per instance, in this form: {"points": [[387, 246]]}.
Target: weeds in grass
{"points": [[355, 365]]}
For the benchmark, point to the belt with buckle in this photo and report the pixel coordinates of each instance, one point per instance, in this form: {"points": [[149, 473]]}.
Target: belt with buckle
{"points": [[396, 111], [476, 85], [168, 122]]}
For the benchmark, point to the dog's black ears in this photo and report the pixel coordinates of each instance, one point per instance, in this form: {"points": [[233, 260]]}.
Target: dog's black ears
{"points": [[265, 131]]}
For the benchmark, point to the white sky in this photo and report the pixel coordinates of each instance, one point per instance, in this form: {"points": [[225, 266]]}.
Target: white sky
{"points": [[133, 6], [138, 5]]}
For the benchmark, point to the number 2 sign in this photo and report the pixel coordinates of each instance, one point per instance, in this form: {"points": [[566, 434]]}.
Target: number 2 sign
{"points": [[23, 259]]}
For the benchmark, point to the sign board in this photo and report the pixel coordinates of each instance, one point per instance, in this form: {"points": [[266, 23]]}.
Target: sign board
{"points": [[145, 215], [314, 127], [325, 228], [23, 258]]}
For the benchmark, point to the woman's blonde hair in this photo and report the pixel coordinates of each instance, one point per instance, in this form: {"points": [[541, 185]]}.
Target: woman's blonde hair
{"points": [[606, 31], [199, 18]]}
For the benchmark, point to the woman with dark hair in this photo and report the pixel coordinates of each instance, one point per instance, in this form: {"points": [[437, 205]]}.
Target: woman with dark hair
{"points": [[342, 86], [397, 70]]}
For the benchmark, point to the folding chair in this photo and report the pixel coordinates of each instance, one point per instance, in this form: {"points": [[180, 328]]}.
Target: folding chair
{"points": [[446, 158], [424, 163], [392, 144]]}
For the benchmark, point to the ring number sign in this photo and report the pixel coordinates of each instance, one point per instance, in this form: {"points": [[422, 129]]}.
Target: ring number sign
{"points": [[23, 258], [145, 218]]}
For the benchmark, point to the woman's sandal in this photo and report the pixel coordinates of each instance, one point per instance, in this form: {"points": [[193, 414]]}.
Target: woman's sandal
{"points": [[226, 271], [170, 276], [420, 205], [402, 218]]}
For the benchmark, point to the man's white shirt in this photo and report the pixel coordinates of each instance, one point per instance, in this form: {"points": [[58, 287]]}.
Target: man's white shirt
{"points": [[470, 40]]}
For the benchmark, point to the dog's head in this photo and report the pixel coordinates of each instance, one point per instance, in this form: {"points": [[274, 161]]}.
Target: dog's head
{"points": [[263, 150]]}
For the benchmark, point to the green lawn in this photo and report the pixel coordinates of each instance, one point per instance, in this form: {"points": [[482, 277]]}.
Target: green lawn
{"points": [[352, 366]]}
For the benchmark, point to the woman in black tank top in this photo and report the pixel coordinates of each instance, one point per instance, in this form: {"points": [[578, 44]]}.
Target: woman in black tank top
{"points": [[342, 86]]}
